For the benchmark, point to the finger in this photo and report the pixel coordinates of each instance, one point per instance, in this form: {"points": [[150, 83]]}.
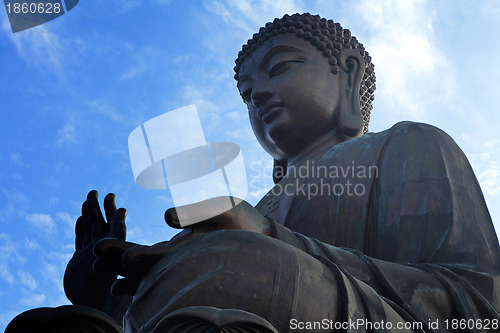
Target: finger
{"points": [[98, 225], [141, 257], [86, 225], [80, 233], [117, 227], [182, 216], [103, 265], [111, 247], [94, 210], [109, 206], [139, 260], [125, 287]]}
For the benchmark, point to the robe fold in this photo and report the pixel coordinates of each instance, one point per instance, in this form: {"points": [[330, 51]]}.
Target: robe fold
{"points": [[391, 227]]}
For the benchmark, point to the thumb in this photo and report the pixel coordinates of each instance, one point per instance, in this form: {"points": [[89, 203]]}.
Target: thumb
{"points": [[182, 216]]}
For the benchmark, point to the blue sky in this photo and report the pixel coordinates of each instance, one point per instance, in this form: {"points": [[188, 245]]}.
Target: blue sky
{"points": [[73, 89]]}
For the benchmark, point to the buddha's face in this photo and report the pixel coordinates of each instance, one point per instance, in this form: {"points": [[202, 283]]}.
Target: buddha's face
{"points": [[291, 94]]}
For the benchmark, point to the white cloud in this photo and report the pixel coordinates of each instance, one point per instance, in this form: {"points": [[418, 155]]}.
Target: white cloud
{"points": [[6, 275], [487, 171], [8, 315], [65, 217], [31, 244], [17, 176], [241, 13], [53, 271], [483, 156], [106, 109], [13, 205], [16, 158], [43, 222], [69, 222], [236, 116], [33, 300], [164, 199], [66, 135], [240, 16], [491, 9], [53, 201], [37, 46], [27, 280], [490, 180], [143, 60], [220, 9], [126, 5], [9, 251], [414, 77]]}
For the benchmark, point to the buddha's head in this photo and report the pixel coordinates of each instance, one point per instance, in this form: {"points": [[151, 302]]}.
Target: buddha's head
{"points": [[302, 76]]}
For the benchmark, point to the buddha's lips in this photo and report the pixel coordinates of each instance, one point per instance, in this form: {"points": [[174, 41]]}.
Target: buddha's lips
{"points": [[268, 110]]}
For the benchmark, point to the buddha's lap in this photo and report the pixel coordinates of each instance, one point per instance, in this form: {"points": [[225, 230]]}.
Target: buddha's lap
{"points": [[240, 270]]}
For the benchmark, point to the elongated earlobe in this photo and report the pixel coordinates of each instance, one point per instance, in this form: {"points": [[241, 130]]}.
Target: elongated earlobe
{"points": [[350, 120]]}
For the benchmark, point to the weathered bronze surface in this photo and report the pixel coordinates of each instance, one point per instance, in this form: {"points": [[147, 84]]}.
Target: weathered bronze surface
{"points": [[376, 228]]}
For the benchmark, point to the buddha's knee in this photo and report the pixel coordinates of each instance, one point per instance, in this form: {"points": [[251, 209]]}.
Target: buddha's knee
{"points": [[241, 270]]}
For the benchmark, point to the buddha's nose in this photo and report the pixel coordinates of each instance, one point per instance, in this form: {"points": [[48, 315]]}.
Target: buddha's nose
{"points": [[261, 92]]}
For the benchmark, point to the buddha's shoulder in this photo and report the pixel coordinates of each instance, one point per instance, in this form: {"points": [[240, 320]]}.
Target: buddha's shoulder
{"points": [[406, 128], [403, 135], [408, 132]]}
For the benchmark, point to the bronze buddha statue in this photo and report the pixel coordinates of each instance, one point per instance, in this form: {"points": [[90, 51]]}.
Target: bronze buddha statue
{"points": [[361, 229]]}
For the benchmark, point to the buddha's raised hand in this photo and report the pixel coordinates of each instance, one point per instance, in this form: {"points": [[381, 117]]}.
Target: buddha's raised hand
{"points": [[82, 285]]}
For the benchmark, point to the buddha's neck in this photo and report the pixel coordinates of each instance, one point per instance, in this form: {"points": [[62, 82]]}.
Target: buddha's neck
{"points": [[316, 148]]}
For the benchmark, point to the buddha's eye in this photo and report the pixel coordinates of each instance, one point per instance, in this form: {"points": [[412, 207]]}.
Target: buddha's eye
{"points": [[247, 96], [283, 66]]}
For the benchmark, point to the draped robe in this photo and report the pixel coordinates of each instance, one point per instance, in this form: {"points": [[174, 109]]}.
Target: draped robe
{"points": [[412, 242]]}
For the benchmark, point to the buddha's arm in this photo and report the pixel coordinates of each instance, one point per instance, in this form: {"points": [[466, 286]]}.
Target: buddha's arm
{"points": [[418, 292], [428, 206]]}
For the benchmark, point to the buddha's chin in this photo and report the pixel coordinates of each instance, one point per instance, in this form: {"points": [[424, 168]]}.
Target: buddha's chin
{"points": [[278, 131]]}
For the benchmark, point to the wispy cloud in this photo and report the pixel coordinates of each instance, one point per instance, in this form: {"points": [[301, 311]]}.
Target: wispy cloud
{"points": [[105, 108], [413, 75], [241, 13], [55, 265], [27, 280], [42, 222], [66, 135], [491, 9], [31, 244], [16, 158], [483, 156], [33, 300], [143, 60], [37, 46], [6, 275], [68, 223], [9, 251], [125, 5], [490, 179], [13, 205]]}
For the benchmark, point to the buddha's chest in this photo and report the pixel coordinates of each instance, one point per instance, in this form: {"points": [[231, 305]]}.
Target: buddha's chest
{"points": [[327, 205]]}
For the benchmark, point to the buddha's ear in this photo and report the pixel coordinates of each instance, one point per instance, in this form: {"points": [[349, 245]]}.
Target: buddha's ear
{"points": [[350, 120]]}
